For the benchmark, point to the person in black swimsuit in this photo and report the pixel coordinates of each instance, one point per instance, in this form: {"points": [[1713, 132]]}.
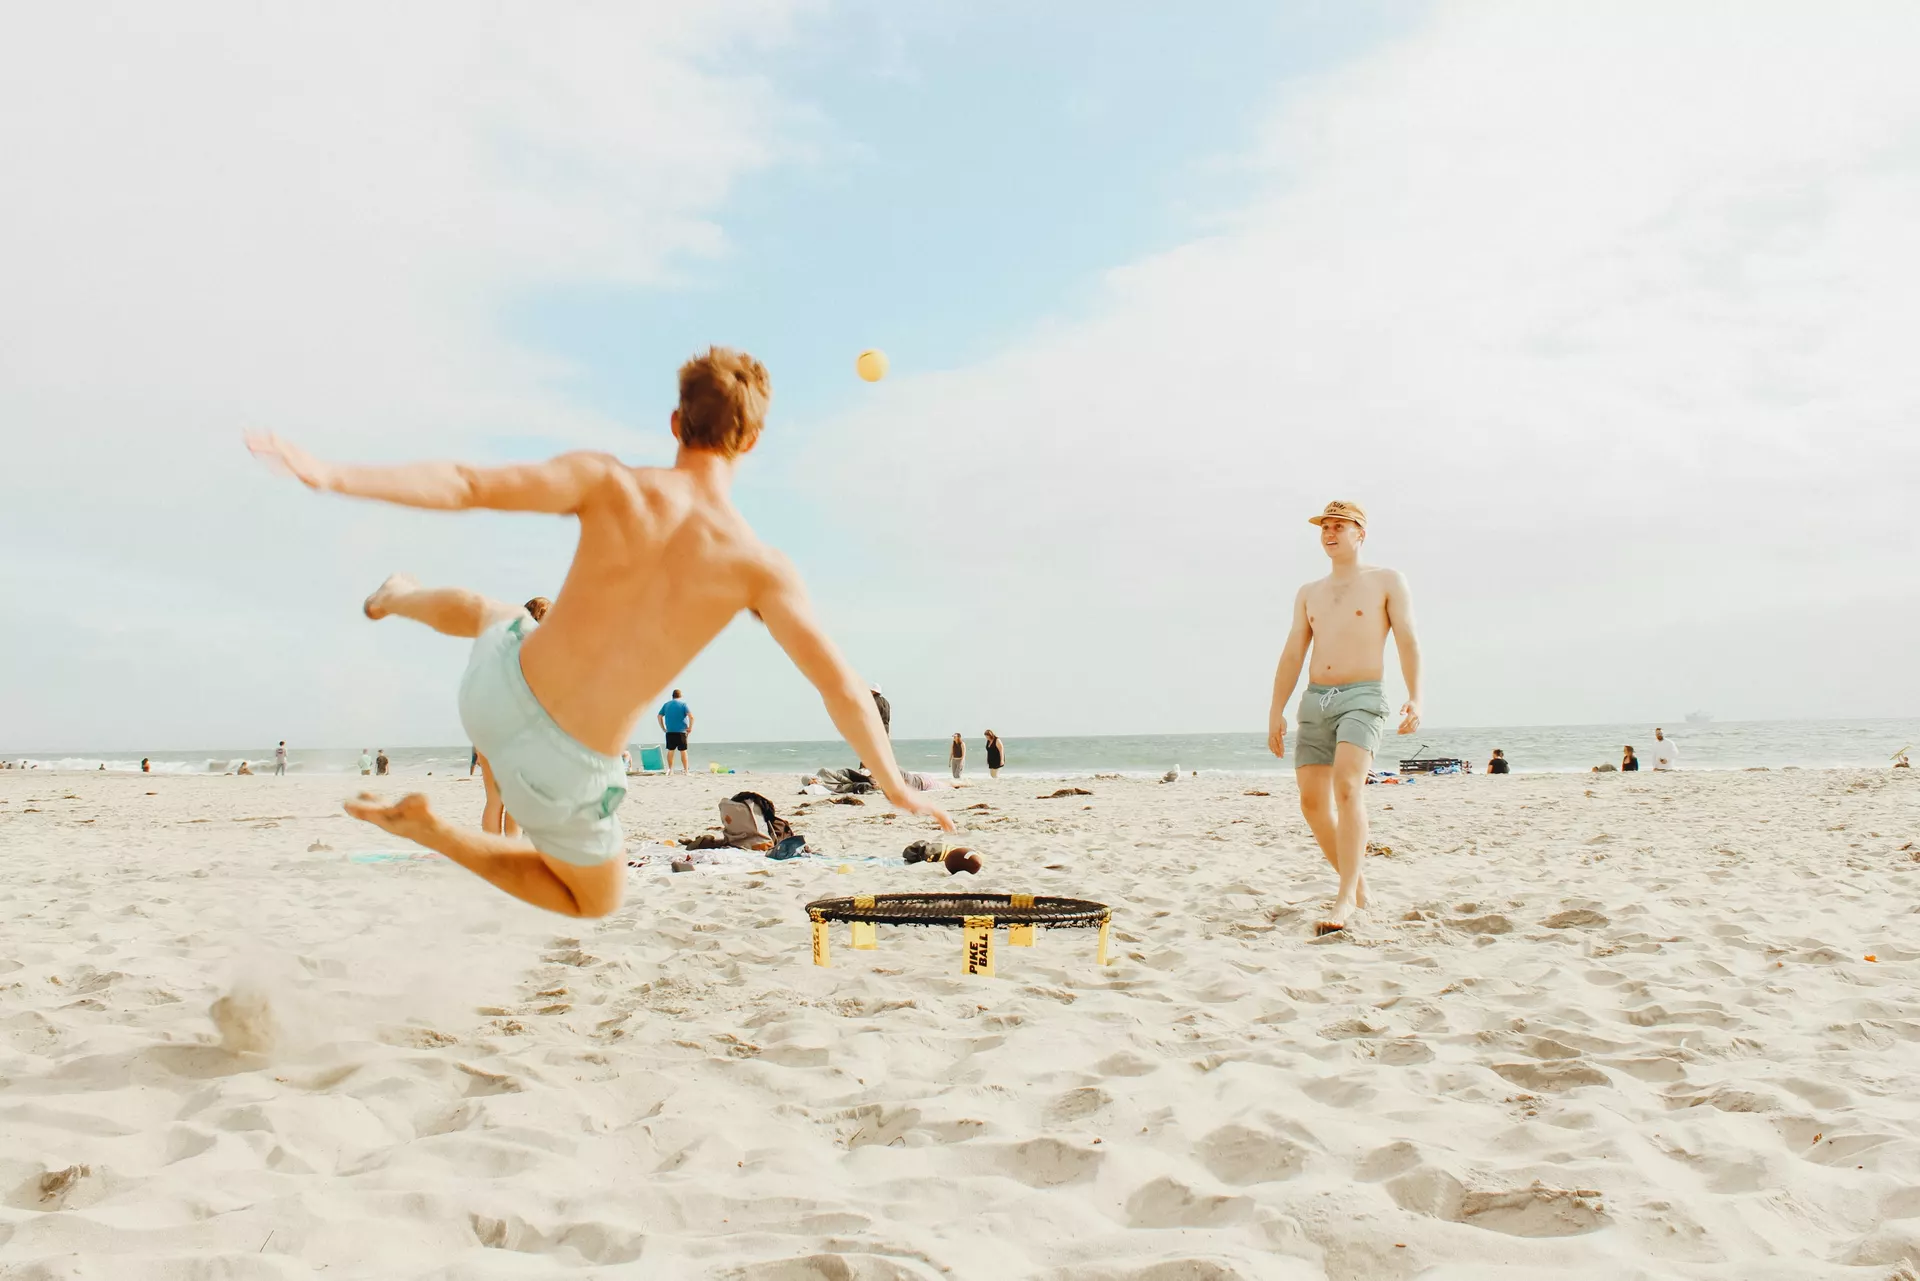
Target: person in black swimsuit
{"points": [[1629, 761], [996, 754]]}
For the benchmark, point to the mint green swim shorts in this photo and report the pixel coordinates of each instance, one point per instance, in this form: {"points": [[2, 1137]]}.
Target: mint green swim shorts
{"points": [[562, 793], [1333, 714]]}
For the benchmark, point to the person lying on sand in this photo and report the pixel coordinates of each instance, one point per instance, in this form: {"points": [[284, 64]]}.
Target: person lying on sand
{"points": [[663, 564], [1345, 617]]}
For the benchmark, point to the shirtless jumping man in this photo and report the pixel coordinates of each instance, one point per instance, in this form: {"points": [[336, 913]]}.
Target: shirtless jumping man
{"points": [[664, 563], [1345, 616]]}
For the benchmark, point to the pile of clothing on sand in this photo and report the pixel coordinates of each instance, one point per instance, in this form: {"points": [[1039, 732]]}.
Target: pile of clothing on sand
{"points": [[833, 781], [750, 825]]}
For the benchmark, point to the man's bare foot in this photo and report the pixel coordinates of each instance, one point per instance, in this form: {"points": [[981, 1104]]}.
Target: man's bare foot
{"points": [[376, 604], [409, 816], [1336, 920]]}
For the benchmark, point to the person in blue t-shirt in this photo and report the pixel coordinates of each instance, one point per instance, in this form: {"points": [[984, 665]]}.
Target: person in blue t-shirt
{"points": [[676, 719]]}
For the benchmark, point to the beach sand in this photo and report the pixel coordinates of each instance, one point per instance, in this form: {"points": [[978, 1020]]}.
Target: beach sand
{"points": [[1595, 1027]]}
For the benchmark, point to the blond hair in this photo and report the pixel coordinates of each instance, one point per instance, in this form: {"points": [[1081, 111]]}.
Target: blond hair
{"points": [[723, 401]]}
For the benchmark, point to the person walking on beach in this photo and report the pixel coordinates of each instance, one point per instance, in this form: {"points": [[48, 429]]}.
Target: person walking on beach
{"points": [[380, 763], [1345, 618], [676, 722], [957, 755], [1666, 752], [996, 754], [1628, 761], [664, 562], [366, 762], [280, 759]]}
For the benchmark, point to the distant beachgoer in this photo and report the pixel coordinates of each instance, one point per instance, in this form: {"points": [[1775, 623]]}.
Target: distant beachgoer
{"points": [[538, 607], [885, 709], [1498, 765], [996, 754], [473, 760], [146, 766], [957, 755], [1628, 761], [1346, 617], [663, 564], [280, 758], [676, 722], [1901, 762], [366, 762], [244, 769], [1666, 752], [381, 762]]}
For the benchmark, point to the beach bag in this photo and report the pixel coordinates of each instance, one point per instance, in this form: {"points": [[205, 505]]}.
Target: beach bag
{"points": [[743, 827], [750, 823]]}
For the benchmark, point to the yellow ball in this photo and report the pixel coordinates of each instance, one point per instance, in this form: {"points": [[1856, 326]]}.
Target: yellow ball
{"points": [[871, 365]]}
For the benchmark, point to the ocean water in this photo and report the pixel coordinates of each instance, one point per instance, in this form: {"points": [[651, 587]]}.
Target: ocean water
{"points": [[1730, 745]]}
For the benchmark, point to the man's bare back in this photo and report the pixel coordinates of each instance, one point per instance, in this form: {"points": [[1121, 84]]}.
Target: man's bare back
{"points": [[663, 564]]}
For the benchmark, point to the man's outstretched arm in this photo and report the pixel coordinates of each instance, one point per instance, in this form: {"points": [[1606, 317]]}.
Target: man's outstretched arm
{"points": [[1293, 656], [559, 485], [1400, 618], [783, 606]]}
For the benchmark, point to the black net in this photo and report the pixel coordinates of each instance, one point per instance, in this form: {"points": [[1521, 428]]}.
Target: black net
{"points": [[954, 909]]}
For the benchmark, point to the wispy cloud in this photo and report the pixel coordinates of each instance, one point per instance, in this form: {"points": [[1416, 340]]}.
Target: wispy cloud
{"points": [[221, 216], [1599, 311]]}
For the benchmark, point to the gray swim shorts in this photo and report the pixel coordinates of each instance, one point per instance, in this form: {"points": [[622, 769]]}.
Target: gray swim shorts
{"points": [[562, 793], [1333, 714]]}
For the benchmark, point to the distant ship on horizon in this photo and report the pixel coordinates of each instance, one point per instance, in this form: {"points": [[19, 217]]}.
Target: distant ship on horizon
{"points": [[1699, 718]]}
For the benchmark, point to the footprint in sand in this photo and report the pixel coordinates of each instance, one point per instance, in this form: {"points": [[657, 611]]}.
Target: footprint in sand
{"points": [[1049, 1163], [1240, 1155], [1169, 1203], [1077, 1104], [1532, 1211]]}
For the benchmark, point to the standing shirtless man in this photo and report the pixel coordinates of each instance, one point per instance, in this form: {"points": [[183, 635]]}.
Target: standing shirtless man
{"points": [[663, 564], [1345, 616]]}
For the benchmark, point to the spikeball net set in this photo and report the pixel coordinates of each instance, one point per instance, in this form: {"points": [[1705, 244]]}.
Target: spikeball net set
{"points": [[976, 914]]}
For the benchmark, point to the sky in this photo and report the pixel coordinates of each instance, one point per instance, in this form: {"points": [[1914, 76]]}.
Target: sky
{"points": [[1601, 310]]}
